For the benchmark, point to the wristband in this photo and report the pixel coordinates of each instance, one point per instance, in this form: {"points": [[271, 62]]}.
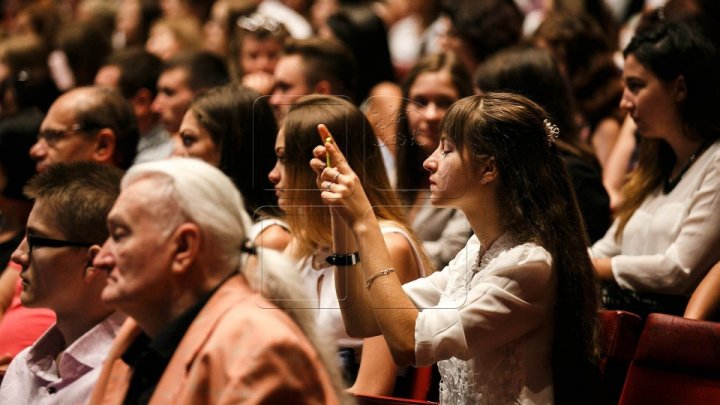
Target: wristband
{"points": [[349, 259]]}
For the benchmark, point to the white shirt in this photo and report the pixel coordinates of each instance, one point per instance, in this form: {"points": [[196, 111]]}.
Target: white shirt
{"points": [[34, 376], [489, 325], [672, 239]]}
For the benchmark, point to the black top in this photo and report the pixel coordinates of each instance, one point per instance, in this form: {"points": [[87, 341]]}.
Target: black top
{"points": [[149, 358], [592, 197]]}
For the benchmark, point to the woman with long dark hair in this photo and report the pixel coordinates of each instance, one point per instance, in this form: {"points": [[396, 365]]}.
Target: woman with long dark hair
{"points": [[666, 233], [513, 318]]}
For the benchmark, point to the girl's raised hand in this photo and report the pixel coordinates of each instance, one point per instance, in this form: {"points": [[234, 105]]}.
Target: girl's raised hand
{"points": [[340, 187]]}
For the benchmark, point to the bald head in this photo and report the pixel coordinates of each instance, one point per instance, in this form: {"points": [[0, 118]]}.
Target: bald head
{"points": [[87, 124]]}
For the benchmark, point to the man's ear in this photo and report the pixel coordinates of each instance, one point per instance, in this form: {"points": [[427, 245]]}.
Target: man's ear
{"points": [[487, 171], [91, 272], [187, 246], [104, 146], [323, 87], [680, 88]]}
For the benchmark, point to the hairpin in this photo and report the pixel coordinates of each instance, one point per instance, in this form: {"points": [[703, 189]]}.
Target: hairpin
{"points": [[552, 131]]}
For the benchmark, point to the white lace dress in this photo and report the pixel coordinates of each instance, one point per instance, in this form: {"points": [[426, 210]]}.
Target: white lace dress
{"points": [[488, 324]]}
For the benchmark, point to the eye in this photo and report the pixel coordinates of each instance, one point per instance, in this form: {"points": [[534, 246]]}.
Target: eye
{"points": [[188, 140], [118, 233]]}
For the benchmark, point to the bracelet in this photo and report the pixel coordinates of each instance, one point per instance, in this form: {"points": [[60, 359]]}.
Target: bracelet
{"points": [[349, 259], [372, 278]]}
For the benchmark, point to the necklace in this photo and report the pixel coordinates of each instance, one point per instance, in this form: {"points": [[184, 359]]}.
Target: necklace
{"points": [[670, 183]]}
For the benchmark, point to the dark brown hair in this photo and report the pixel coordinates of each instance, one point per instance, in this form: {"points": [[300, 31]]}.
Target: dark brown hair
{"points": [[539, 206], [411, 175]]}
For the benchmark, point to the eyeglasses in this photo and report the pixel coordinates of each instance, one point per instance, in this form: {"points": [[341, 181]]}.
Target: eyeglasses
{"points": [[258, 21], [52, 136], [38, 241]]}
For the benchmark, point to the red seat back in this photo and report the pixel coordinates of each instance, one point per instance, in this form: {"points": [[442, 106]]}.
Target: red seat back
{"points": [[619, 335], [677, 361]]}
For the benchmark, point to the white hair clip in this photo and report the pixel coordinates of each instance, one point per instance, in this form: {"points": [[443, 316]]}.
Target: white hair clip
{"points": [[552, 131]]}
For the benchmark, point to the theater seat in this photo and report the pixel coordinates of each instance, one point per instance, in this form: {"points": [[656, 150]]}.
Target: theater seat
{"points": [[382, 400], [677, 361], [619, 335]]}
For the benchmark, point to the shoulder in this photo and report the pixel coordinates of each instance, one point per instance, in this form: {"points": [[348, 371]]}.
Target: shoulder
{"points": [[273, 236], [526, 254]]}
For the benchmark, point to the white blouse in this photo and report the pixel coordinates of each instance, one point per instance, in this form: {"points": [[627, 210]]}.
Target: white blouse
{"points": [[672, 239], [489, 324]]}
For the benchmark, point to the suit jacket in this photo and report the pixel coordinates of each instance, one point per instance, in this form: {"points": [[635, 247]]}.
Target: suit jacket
{"points": [[241, 349]]}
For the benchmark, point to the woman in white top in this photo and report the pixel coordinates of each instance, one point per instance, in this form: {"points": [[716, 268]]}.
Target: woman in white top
{"points": [[311, 226], [667, 231], [512, 319]]}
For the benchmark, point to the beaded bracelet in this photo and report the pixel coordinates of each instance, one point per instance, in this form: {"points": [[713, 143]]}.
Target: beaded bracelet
{"points": [[372, 278]]}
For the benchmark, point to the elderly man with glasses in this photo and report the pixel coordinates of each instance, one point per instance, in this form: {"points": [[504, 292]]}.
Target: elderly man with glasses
{"points": [[64, 232]]}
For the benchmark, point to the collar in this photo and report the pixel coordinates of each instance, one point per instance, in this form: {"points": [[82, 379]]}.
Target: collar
{"points": [[83, 355], [487, 254], [169, 338]]}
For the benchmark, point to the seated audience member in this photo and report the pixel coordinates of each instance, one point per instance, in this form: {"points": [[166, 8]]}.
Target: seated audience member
{"points": [[479, 29], [87, 124], [64, 232], [365, 35], [182, 77], [169, 37], [586, 56], [232, 128], [256, 45], [198, 333], [533, 73], [135, 72], [667, 230], [429, 89], [311, 227], [81, 48], [513, 318], [311, 66]]}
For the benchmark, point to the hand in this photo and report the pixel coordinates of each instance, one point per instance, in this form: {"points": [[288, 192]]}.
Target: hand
{"points": [[340, 187], [262, 82]]}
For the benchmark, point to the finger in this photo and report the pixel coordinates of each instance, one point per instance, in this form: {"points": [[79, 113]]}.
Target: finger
{"points": [[336, 156], [317, 165], [319, 152]]}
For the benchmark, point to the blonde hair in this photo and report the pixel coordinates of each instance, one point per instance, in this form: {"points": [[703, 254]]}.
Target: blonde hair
{"points": [[309, 218]]}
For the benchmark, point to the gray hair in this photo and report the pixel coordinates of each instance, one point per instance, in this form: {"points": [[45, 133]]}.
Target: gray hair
{"points": [[202, 195]]}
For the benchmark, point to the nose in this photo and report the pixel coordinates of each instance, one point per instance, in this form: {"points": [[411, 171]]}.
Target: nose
{"points": [[104, 260], [156, 105], [21, 255], [274, 175], [178, 147], [430, 164], [626, 101], [433, 112], [39, 150]]}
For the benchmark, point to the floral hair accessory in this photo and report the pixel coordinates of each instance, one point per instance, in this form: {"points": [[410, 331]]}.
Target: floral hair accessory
{"points": [[552, 131]]}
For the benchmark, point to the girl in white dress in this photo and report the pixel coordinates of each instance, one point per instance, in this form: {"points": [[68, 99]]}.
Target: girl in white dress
{"points": [[512, 319]]}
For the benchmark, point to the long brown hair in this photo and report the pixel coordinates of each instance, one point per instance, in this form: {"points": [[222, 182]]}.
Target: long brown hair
{"points": [[411, 175], [539, 206], [309, 218], [664, 50]]}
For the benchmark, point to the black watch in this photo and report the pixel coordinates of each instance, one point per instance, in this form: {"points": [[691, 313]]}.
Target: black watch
{"points": [[349, 259]]}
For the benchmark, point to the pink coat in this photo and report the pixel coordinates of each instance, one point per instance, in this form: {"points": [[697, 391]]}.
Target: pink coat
{"points": [[240, 349]]}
